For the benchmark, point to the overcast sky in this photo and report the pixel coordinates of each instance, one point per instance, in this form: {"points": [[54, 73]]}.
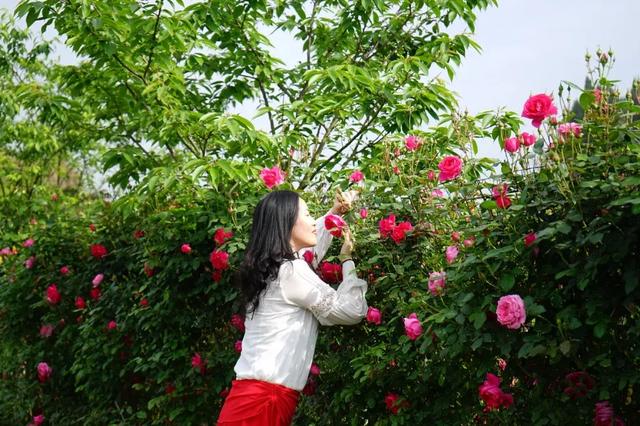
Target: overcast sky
{"points": [[528, 46]]}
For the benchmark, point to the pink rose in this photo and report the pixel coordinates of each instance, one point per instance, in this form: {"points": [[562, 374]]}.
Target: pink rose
{"points": [[451, 253], [363, 213], [374, 316], [527, 139], [356, 176], [502, 364], [53, 295], [44, 372], [565, 130], [238, 346], [396, 170], [237, 321], [492, 395], [28, 243], [308, 256], [450, 168], [529, 239], [37, 420], [438, 193], [219, 260], [412, 326], [272, 177], [64, 270], [538, 107], [331, 272], [221, 236], [411, 142], [198, 362], [112, 325], [512, 144], [334, 224], [97, 280], [511, 311], [314, 370], [437, 282], [30, 262], [431, 175], [46, 330], [469, 242], [185, 248]]}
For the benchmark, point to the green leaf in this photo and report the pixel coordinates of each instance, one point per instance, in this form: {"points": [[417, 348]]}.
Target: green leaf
{"points": [[507, 281], [599, 330]]}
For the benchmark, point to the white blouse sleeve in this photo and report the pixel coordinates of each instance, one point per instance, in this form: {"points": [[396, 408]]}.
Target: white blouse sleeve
{"points": [[346, 305], [324, 239]]}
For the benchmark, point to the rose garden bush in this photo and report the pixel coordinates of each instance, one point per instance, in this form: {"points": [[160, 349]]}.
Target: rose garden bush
{"points": [[500, 292]]}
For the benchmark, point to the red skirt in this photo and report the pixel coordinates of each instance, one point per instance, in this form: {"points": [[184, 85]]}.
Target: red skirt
{"points": [[258, 403]]}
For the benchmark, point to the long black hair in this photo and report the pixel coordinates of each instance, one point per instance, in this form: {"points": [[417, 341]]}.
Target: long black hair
{"points": [[269, 246]]}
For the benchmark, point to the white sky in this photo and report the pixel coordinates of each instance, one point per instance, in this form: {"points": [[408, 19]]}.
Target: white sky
{"points": [[529, 46]]}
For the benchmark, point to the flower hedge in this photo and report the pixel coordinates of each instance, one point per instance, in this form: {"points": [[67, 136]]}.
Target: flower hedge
{"points": [[499, 292]]}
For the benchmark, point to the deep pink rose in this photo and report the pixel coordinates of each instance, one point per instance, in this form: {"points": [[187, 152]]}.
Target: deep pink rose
{"points": [[95, 293], [46, 330], [500, 196], [314, 370], [216, 276], [144, 303], [356, 176], [363, 213], [437, 282], [438, 193], [185, 248], [511, 311], [527, 139], [28, 243], [579, 384], [331, 272], [374, 316], [37, 420], [450, 168], [198, 362], [605, 416], [98, 251], [112, 325], [431, 175], [97, 280], [310, 387], [221, 236], [272, 177], [538, 107], [64, 270], [219, 260], [334, 224], [451, 253], [308, 256], [529, 239], [492, 395], [512, 144], [412, 326], [80, 303], [399, 232], [44, 372], [238, 346], [237, 321], [53, 295], [411, 142], [387, 225]]}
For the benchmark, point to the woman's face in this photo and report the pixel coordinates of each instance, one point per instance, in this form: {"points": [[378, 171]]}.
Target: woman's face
{"points": [[303, 233]]}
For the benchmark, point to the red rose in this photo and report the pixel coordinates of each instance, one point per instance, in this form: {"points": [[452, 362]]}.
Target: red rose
{"points": [[98, 251], [334, 224], [530, 238], [53, 295], [220, 236], [219, 260], [80, 303], [492, 395], [331, 272], [95, 293]]}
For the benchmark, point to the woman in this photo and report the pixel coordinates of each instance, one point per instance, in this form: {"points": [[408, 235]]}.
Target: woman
{"points": [[286, 300]]}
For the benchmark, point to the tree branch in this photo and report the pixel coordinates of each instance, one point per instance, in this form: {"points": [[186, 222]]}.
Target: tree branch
{"points": [[153, 38]]}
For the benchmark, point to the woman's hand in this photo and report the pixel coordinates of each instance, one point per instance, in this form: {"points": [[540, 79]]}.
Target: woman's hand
{"points": [[343, 201], [347, 244]]}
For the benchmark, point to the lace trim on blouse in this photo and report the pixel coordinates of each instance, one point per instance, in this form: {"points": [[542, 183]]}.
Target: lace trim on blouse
{"points": [[322, 307]]}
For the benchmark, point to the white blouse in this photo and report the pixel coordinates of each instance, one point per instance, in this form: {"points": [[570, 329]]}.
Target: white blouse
{"points": [[280, 340]]}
